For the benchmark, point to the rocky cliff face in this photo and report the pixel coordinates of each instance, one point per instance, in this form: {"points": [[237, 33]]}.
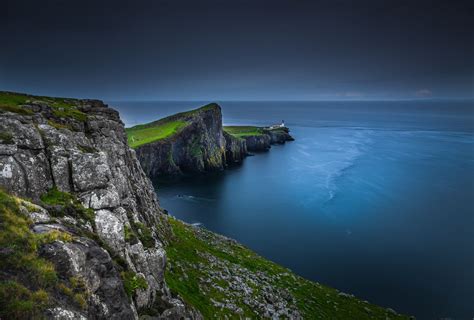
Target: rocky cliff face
{"points": [[199, 147], [264, 141], [235, 149], [202, 145], [111, 212]]}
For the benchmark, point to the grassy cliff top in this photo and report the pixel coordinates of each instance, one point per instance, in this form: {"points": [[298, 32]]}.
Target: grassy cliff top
{"points": [[62, 107], [163, 128], [143, 134], [222, 278], [243, 131]]}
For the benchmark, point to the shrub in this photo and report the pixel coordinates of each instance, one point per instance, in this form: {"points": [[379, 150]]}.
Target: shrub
{"points": [[132, 282]]}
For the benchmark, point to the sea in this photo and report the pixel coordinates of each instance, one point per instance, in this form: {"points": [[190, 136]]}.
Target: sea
{"points": [[374, 198]]}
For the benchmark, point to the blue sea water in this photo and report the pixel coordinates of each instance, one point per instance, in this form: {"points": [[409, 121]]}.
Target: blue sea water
{"points": [[372, 198]]}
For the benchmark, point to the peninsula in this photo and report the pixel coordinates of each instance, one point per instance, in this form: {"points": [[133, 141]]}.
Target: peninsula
{"points": [[196, 141]]}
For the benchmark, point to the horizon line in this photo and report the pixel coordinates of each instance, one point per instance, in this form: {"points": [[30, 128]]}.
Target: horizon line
{"points": [[285, 100]]}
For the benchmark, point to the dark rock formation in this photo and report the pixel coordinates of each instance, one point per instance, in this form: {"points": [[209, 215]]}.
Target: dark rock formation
{"points": [[199, 147], [264, 141], [89, 158], [202, 145], [235, 149]]}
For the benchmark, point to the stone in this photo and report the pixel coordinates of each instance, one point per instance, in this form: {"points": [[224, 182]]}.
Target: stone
{"points": [[59, 313], [110, 229], [89, 171]]}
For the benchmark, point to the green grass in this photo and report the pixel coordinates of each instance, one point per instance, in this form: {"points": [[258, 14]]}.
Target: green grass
{"points": [[68, 205], [207, 107], [244, 131], [28, 282], [143, 134], [163, 128], [56, 197], [61, 107], [314, 301], [132, 282]]}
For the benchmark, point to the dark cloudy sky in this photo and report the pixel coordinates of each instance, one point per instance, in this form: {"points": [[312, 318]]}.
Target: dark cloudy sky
{"points": [[238, 49]]}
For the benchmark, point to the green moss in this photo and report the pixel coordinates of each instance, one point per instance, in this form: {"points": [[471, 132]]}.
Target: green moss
{"points": [[132, 282], [67, 112], [56, 197], [143, 134], [69, 205], [6, 138], [195, 148], [58, 126], [144, 234], [314, 301], [130, 235], [87, 149], [244, 131]]}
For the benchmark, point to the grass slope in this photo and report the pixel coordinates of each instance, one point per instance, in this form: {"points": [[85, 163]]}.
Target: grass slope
{"points": [[163, 128], [143, 134], [28, 283], [62, 107], [197, 255], [243, 131]]}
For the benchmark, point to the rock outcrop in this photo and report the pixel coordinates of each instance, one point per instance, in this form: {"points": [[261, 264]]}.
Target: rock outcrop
{"points": [[265, 140], [87, 157], [202, 145], [199, 147], [235, 149]]}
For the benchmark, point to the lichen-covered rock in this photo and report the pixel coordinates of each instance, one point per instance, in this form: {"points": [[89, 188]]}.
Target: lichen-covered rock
{"points": [[111, 229], [59, 313], [85, 260], [88, 157]]}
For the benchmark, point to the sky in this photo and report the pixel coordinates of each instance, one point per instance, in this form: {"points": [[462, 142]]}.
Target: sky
{"points": [[238, 49]]}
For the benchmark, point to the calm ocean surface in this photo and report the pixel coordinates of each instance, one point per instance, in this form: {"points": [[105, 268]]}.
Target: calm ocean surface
{"points": [[373, 198]]}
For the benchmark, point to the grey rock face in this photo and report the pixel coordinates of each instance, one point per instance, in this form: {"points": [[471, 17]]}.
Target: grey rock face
{"points": [[84, 259], [91, 160], [89, 171]]}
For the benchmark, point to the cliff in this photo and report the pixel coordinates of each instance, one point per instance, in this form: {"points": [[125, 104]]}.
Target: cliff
{"points": [[82, 235], [197, 146], [195, 141], [258, 138], [104, 254]]}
